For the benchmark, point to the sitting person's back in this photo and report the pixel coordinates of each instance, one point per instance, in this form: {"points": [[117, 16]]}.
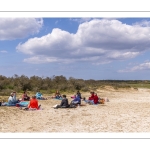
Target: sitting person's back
{"points": [[38, 95], [33, 103]]}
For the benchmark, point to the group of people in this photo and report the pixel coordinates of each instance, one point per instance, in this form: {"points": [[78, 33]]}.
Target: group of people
{"points": [[33, 102], [93, 100], [38, 95]]}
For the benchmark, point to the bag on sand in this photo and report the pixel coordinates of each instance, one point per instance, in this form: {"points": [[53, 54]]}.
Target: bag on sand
{"points": [[102, 101]]}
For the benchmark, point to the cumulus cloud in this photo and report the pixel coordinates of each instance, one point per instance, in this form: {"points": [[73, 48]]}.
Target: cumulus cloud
{"points": [[16, 28], [98, 41], [143, 66], [143, 23]]}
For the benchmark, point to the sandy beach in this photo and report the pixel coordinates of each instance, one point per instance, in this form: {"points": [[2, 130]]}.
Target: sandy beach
{"points": [[127, 111]]}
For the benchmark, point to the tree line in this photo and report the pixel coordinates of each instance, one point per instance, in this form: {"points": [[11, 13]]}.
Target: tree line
{"points": [[51, 84]]}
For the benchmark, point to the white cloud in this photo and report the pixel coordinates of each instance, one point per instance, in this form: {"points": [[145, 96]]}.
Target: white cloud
{"points": [[3, 51], [143, 23], [44, 59], [16, 28], [143, 66], [122, 56], [98, 41]]}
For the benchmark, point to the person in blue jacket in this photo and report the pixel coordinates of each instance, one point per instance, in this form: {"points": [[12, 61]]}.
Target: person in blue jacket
{"points": [[40, 96], [77, 100], [12, 99]]}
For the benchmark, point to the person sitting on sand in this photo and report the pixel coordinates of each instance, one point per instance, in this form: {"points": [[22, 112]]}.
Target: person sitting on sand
{"points": [[77, 100], [40, 96], [96, 98], [57, 95], [25, 97], [93, 99], [12, 99], [79, 94], [92, 96], [63, 104], [33, 104]]}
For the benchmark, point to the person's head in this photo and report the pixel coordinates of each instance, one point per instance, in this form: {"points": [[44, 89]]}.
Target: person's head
{"points": [[95, 94], [12, 94], [34, 97], [64, 96], [57, 91]]}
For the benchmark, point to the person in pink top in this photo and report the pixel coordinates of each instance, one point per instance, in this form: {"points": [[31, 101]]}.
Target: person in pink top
{"points": [[25, 97]]}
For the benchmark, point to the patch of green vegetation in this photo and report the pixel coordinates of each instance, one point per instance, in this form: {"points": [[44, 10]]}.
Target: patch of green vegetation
{"points": [[49, 85]]}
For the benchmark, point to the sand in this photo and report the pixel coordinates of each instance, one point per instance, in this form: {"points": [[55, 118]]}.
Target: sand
{"points": [[128, 110]]}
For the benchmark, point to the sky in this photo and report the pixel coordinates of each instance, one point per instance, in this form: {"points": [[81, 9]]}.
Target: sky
{"points": [[82, 48]]}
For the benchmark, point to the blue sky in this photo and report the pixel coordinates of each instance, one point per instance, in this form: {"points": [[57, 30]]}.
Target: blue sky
{"points": [[87, 48]]}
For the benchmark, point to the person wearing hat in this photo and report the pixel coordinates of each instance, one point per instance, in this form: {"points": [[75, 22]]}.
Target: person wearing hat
{"points": [[12, 99], [64, 103]]}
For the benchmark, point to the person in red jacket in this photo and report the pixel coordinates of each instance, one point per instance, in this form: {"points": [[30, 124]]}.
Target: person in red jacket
{"points": [[92, 96], [33, 104], [93, 99], [96, 98]]}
